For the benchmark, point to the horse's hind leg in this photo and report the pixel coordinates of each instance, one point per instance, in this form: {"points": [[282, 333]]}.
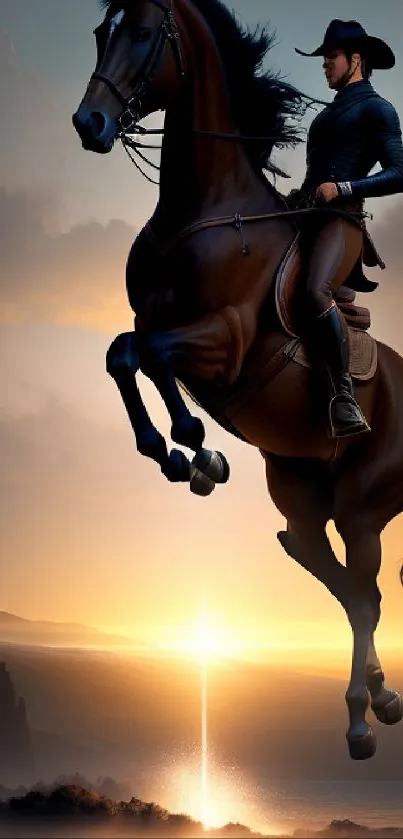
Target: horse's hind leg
{"points": [[303, 492], [308, 544], [363, 611], [122, 363], [311, 549], [304, 495], [363, 559]]}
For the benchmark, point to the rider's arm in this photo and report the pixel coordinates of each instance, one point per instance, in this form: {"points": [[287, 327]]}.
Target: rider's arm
{"points": [[384, 126]]}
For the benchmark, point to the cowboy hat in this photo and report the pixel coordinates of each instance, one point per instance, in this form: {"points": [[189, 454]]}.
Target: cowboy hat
{"points": [[346, 33]]}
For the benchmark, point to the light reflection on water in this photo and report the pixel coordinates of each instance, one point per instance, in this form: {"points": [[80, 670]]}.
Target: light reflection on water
{"points": [[225, 795], [273, 807], [371, 803]]}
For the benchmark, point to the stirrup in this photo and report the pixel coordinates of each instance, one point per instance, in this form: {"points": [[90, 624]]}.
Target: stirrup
{"points": [[347, 427]]}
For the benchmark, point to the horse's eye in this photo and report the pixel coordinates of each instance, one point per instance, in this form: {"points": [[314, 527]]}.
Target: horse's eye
{"points": [[143, 33]]}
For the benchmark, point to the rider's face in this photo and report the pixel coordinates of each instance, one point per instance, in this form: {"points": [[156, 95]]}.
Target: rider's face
{"points": [[337, 67]]}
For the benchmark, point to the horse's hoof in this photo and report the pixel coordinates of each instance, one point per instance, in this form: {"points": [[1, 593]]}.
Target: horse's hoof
{"points": [[200, 484], [189, 432], [390, 713], [177, 467], [364, 747], [213, 464]]}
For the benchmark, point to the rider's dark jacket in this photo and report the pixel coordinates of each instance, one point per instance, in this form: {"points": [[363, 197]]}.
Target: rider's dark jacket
{"points": [[353, 133]]}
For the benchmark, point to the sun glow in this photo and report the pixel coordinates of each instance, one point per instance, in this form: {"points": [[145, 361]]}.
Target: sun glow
{"points": [[205, 641], [230, 796], [198, 783]]}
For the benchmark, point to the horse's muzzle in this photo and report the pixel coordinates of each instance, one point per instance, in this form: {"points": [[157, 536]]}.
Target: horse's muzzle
{"points": [[96, 129]]}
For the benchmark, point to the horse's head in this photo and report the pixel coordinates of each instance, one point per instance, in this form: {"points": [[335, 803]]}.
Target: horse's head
{"points": [[138, 70]]}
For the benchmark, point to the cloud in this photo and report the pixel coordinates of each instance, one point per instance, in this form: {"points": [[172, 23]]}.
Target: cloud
{"points": [[79, 277], [89, 527], [77, 488], [33, 138], [40, 149], [74, 278], [386, 302], [388, 238], [55, 451], [77, 515]]}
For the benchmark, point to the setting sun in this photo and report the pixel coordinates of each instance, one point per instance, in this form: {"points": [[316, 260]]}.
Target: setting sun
{"points": [[205, 641]]}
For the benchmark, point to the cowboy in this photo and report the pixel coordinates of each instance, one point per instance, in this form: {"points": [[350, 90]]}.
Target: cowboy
{"points": [[345, 141]]}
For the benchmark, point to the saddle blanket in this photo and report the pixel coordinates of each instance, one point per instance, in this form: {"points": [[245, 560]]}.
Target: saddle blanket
{"points": [[363, 354]]}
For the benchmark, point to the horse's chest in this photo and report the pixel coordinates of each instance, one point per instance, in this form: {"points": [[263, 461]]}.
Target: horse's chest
{"points": [[159, 284]]}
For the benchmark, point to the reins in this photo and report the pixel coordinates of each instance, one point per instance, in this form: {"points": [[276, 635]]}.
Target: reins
{"points": [[237, 221]]}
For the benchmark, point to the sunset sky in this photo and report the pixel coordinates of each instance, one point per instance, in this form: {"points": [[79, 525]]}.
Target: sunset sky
{"points": [[91, 531]]}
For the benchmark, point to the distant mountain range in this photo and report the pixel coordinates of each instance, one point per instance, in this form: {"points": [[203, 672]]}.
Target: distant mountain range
{"points": [[17, 630]]}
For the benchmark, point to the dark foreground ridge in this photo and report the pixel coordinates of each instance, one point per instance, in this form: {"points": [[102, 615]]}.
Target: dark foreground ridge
{"points": [[69, 803]]}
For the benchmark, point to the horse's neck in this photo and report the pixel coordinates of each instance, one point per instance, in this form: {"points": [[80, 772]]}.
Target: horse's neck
{"points": [[199, 174]]}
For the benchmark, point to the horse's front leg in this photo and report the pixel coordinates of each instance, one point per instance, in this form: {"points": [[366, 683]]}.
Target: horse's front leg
{"points": [[210, 348], [122, 363]]}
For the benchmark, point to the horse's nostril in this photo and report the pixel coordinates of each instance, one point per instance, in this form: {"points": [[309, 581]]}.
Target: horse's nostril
{"points": [[98, 123], [95, 129]]}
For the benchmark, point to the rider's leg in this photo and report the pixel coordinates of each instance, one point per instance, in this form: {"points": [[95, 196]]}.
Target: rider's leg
{"points": [[334, 252]]}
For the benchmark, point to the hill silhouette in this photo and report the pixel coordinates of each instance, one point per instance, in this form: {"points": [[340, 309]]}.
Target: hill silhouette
{"points": [[17, 630], [76, 804], [103, 786], [138, 719], [102, 713]]}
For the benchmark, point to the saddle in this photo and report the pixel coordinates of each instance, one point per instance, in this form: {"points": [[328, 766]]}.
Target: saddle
{"points": [[363, 348]]}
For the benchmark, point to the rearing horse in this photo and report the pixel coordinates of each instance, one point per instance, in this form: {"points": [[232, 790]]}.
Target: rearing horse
{"points": [[200, 278]]}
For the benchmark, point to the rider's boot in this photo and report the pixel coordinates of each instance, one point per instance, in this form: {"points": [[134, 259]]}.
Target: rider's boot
{"points": [[331, 336]]}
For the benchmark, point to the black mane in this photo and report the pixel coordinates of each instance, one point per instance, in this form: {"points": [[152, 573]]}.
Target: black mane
{"points": [[263, 105]]}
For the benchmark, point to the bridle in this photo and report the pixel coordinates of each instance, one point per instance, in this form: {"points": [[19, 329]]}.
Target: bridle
{"points": [[167, 32]]}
